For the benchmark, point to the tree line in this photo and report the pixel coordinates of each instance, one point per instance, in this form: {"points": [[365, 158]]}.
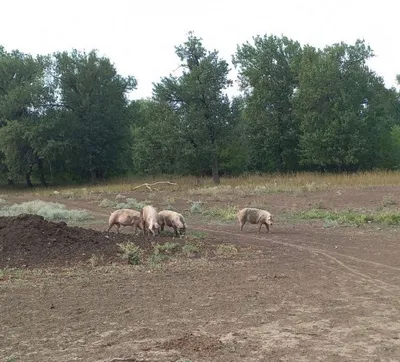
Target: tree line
{"points": [[66, 117]]}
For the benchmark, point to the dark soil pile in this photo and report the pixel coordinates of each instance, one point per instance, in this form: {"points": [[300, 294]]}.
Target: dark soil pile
{"points": [[30, 241]]}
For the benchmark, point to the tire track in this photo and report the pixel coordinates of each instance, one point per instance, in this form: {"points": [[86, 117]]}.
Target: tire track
{"points": [[382, 284]]}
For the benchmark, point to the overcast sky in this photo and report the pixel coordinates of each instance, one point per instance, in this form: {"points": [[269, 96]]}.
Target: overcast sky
{"points": [[139, 36]]}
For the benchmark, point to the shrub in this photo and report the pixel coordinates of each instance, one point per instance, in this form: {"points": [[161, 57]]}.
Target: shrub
{"points": [[49, 210], [196, 207], [131, 252]]}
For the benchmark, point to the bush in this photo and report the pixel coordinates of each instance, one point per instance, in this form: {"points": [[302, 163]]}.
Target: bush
{"points": [[196, 207], [49, 210], [131, 252]]}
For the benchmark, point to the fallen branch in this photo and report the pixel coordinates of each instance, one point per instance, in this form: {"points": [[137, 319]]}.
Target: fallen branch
{"points": [[155, 183]]}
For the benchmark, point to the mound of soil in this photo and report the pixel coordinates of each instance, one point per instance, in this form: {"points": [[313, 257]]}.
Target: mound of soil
{"points": [[32, 242]]}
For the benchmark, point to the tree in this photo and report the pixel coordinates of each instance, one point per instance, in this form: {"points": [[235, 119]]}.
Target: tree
{"points": [[339, 106], [23, 95], [156, 144], [268, 75], [92, 97], [197, 97]]}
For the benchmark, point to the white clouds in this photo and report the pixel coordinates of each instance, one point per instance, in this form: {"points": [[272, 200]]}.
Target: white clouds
{"points": [[139, 36]]}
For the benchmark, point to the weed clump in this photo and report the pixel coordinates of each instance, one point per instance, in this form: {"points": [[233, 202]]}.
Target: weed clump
{"points": [[49, 210], [131, 252], [196, 207]]}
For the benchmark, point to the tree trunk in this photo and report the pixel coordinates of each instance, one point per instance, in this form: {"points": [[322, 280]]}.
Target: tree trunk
{"points": [[215, 170], [10, 182], [41, 173], [28, 179], [94, 175]]}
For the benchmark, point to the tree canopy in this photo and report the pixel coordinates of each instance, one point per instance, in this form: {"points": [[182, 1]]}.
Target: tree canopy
{"points": [[66, 117]]}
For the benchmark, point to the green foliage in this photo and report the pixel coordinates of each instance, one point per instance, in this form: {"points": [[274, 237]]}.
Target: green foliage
{"points": [[342, 126], [157, 147], [93, 100], [394, 144], [268, 74], [198, 100], [168, 248], [66, 117], [23, 95]]}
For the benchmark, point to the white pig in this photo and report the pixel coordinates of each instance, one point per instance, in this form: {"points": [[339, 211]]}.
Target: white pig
{"points": [[125, 217], [172, 219], [255, 216]]}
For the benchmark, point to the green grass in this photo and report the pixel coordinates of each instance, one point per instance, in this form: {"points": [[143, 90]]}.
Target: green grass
{"points": [[350, 217], [49, 210]]}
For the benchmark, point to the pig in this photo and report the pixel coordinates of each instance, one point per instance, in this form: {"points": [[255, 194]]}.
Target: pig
{"points": [[149, 219], [125, 217], [172, 219], [255, 216]]}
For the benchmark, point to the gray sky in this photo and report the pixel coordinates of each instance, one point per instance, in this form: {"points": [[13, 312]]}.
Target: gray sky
{"points": [[139, 36]]}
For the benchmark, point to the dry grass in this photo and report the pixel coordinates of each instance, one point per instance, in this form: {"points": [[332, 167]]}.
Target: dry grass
{"points": [[248, 184]]}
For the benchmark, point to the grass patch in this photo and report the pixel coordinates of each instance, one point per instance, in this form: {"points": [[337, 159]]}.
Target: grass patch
{"points": [[190, 249], [10, 273], [350, 217], [131, 252], [2, 201], [196, 234], [224, 213], [162, 252], [49, 210]]}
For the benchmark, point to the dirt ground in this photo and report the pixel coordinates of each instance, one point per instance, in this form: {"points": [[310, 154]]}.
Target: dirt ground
{"points": [[301, 293]]}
